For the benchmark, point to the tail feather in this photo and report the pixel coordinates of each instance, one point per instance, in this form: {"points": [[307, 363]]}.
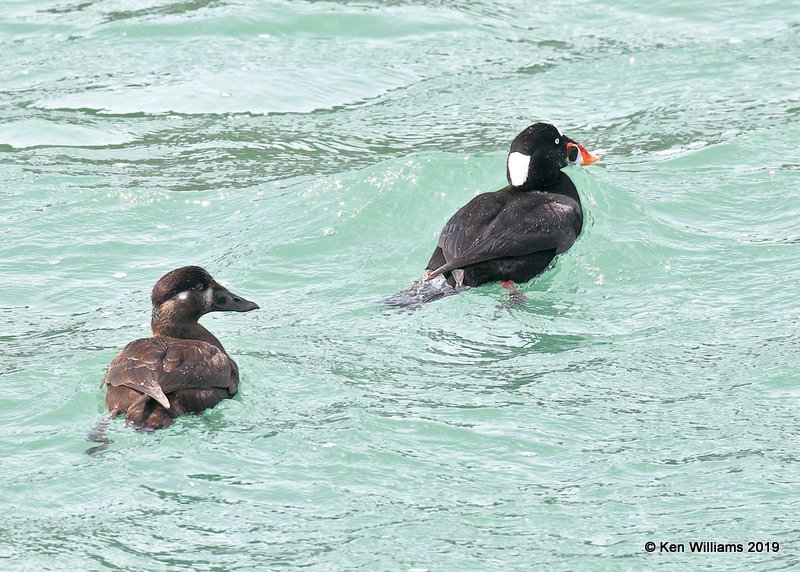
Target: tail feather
{"points": [[147, 414]]}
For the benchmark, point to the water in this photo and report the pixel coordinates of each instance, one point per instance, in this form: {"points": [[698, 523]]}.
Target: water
{"points": [[307, 154]]}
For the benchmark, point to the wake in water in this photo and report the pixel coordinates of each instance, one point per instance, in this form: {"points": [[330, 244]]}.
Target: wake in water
{"points": [[98, 435], [422, 291], [515, 299]]}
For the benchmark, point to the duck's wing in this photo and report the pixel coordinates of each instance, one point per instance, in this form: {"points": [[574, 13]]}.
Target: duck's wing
{"points": [[156, 367], [489, 227]]}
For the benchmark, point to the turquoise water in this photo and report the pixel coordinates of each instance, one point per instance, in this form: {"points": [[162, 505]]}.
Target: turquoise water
{"points": [[307, 154]]}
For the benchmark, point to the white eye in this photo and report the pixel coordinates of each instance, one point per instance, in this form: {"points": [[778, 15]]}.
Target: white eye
{"points": [[558, 140]]}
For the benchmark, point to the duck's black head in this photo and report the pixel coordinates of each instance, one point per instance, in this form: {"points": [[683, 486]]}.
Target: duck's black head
{"points": [[185, 294], [538, 154]]}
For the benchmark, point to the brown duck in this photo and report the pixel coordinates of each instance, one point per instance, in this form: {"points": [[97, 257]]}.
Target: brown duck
{"points": [[183, 368]]}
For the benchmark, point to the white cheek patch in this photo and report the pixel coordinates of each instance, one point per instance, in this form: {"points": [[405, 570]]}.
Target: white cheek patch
{"points": [[183, 296], [209, 295], [518, 164]]}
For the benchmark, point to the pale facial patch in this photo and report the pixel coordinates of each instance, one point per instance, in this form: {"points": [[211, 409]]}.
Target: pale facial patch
{"points": [[208, 294], [518, 164]]}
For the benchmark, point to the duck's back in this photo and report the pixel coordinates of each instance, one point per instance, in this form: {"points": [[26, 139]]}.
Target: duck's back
{"points": [[507, 235], [154, 380]]}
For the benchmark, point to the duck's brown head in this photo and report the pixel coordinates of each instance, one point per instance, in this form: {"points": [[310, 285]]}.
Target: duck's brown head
{"points": [[185, 294]]}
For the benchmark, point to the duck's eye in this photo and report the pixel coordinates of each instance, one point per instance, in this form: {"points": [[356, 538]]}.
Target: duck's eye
{"points": [[572, 154], [198, 286], [558, 140]]}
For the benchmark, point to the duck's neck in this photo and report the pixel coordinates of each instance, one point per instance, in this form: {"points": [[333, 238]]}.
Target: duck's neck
{"points": [[565, 186], [562, 186], [163, 327]]}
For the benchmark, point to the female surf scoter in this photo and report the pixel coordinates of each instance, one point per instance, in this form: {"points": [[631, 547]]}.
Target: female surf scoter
{"points": [[183, 368], [511, 235]]}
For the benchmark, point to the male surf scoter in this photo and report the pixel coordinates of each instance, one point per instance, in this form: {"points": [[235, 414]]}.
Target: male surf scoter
{"points": [[183, 368], [511, 235]]}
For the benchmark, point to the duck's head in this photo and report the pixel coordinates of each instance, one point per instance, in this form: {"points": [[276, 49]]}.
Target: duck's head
{"points": [[185, 294], [538, 154]]}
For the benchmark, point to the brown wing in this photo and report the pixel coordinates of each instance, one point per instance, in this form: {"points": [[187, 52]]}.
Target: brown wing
{"points": [[157, 367]]}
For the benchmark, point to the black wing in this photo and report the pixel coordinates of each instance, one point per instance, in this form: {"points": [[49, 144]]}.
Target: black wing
{"points": [[156, 367], [508, 224]]}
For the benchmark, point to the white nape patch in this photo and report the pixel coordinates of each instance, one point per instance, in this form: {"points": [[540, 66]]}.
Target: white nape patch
{"points": [[518, 164]]}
